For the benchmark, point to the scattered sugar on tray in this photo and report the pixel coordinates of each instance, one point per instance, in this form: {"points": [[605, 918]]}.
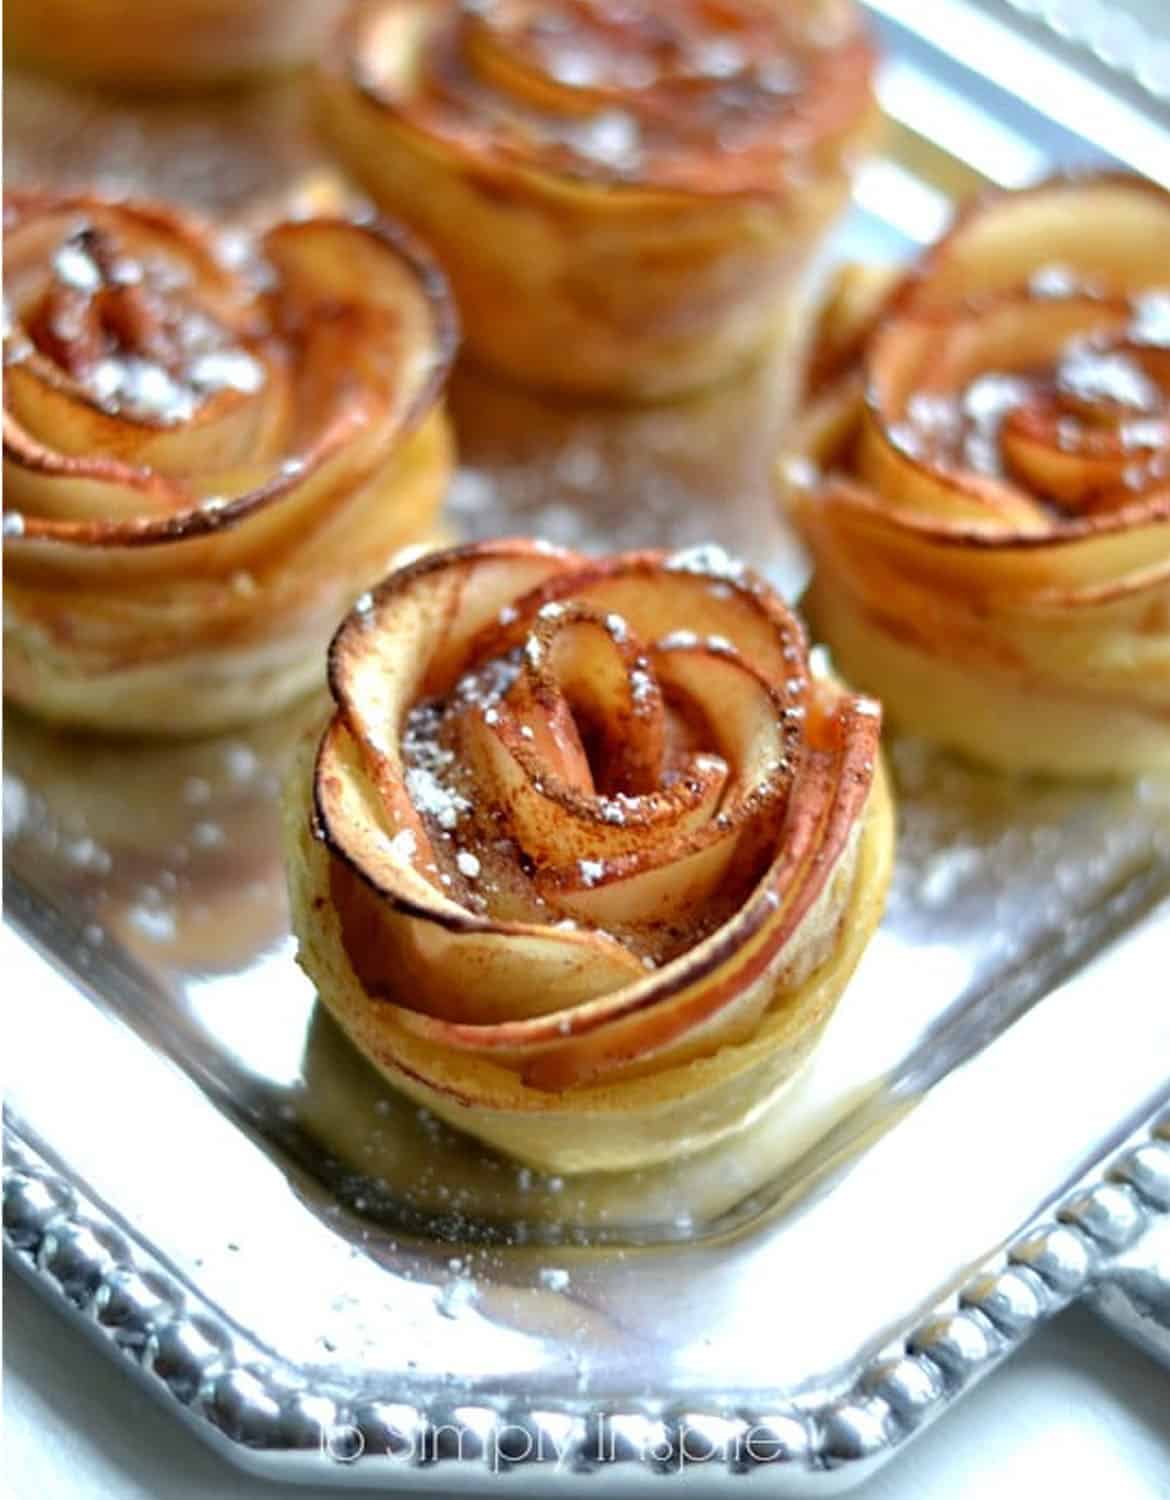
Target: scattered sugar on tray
{"points": [[208, 836], [240, 761], [85, 853], [158, 926], [196, 791], [470, 492], [233, 249], [457, 1297], [468, 864], [580, 466], [554, 1278]]}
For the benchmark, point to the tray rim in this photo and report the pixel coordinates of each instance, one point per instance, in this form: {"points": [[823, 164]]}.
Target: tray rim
{"points": [[1086, 33], [259, 1412]]}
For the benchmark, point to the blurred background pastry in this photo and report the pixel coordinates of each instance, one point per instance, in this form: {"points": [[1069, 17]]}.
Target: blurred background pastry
{"points": [[214, 440], [982, 473], [150, 45], [626, 198]]}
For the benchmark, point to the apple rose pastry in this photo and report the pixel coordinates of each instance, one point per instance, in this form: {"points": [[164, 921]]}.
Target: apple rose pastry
{"points": [[988, 498], [146, 45], [211, 445], [586, 854], [625, 197]]}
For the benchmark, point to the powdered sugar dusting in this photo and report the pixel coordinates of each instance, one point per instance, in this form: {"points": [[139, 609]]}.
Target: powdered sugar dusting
{"points": [[708, 559]]}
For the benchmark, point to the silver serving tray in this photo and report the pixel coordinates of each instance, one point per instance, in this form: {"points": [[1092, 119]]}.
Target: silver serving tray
{"points": [[322, 1281]]}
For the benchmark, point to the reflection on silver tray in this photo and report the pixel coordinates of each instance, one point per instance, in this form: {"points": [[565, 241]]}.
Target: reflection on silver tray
{"points": [[314, 1273]]}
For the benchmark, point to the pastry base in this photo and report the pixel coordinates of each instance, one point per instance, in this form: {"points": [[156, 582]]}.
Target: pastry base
{"points": [[614, 1126], [1002, 721], [200, 695]]}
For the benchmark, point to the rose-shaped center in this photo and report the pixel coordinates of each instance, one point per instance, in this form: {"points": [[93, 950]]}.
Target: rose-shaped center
{"points": [[159, 368], [585, 774], [131, 333], [1046, 405], [579, 772], [599, 87]]}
